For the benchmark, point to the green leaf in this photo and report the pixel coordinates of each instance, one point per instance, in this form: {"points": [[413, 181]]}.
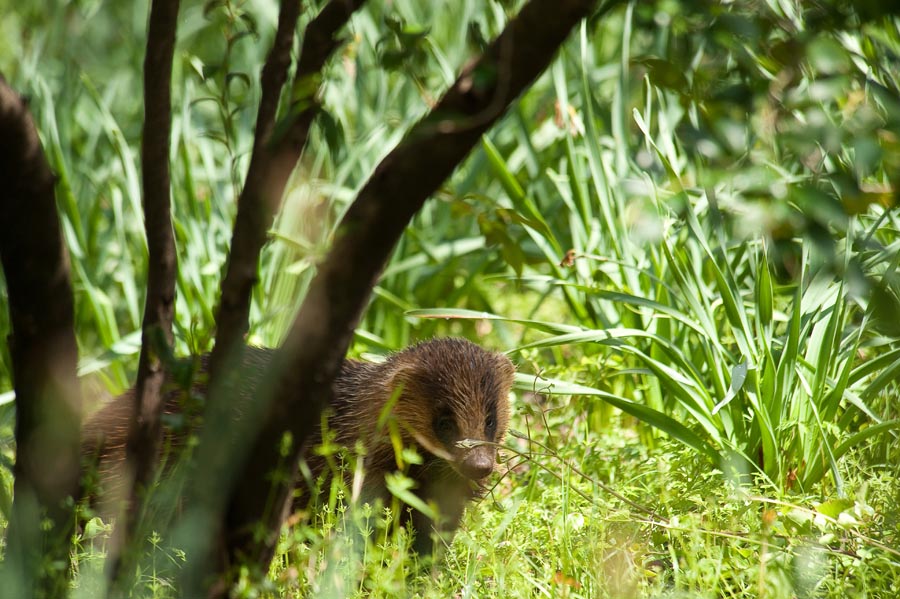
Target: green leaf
{"points": [[833, 507], [657, 419], [400, 486], [448, 313]]}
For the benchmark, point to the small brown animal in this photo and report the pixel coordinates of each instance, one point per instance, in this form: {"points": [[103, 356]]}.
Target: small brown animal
{"points": [[449, 398]]}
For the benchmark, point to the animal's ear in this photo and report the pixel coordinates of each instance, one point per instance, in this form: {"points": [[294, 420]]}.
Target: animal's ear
{"points": [[507, 369], [404, 377]]}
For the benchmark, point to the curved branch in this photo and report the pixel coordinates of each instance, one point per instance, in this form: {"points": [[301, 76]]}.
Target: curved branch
{"points": [[44, 356]]}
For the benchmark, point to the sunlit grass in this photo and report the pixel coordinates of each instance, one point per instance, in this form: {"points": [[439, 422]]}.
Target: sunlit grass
{"points": [[550, 527]]}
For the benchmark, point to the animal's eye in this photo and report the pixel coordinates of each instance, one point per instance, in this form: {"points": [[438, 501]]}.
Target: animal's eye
{"points": [[490, 423], [445, 426]]}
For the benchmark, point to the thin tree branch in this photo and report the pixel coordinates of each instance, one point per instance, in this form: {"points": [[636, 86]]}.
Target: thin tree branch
{"points": [[145, 432], [256, 205], [276, 150], [44, 355], [305, 367]]}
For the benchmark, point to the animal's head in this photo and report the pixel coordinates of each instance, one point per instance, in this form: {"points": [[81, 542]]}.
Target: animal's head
{"points": [[455, 394]]}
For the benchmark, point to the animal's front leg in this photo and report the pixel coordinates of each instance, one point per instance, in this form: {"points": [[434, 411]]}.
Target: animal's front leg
{"points": [[448, 493]]}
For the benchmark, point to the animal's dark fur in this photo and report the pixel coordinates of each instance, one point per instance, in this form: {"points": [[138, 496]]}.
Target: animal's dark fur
{"points": [[440, 393]]}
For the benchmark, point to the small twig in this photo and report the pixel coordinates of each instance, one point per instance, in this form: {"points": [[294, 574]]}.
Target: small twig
{"points": [[859, 535], [576, 470]]}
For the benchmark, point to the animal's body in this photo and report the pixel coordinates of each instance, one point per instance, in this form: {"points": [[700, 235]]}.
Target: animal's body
{"points": [[448, 398]]}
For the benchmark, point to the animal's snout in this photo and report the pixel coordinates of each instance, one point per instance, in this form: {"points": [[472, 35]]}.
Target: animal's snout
{"points": [[478, 462]]}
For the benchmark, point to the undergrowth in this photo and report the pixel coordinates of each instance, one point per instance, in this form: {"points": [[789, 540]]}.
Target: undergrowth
{"points": [[588, 516]]}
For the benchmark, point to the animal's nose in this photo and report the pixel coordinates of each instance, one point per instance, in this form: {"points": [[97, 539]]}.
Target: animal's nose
{"points": [[478, 463]]}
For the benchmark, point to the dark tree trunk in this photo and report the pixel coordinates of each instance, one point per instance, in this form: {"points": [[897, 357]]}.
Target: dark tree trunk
{"points": [[44, 355], [145, 433], [306, 365]]}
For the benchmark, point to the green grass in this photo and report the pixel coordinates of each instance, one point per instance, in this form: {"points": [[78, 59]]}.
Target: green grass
{"points": [[551, 527], [716, 413]]}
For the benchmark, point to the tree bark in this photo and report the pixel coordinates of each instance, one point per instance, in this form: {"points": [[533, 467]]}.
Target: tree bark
{"points": [[304, 368], [145, 432], [44, 355]]}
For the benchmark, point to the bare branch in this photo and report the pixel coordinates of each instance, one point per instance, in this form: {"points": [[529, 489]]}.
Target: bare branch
{"points": [[321, 333], [145, 432], [276, 150], [44, 355]]}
